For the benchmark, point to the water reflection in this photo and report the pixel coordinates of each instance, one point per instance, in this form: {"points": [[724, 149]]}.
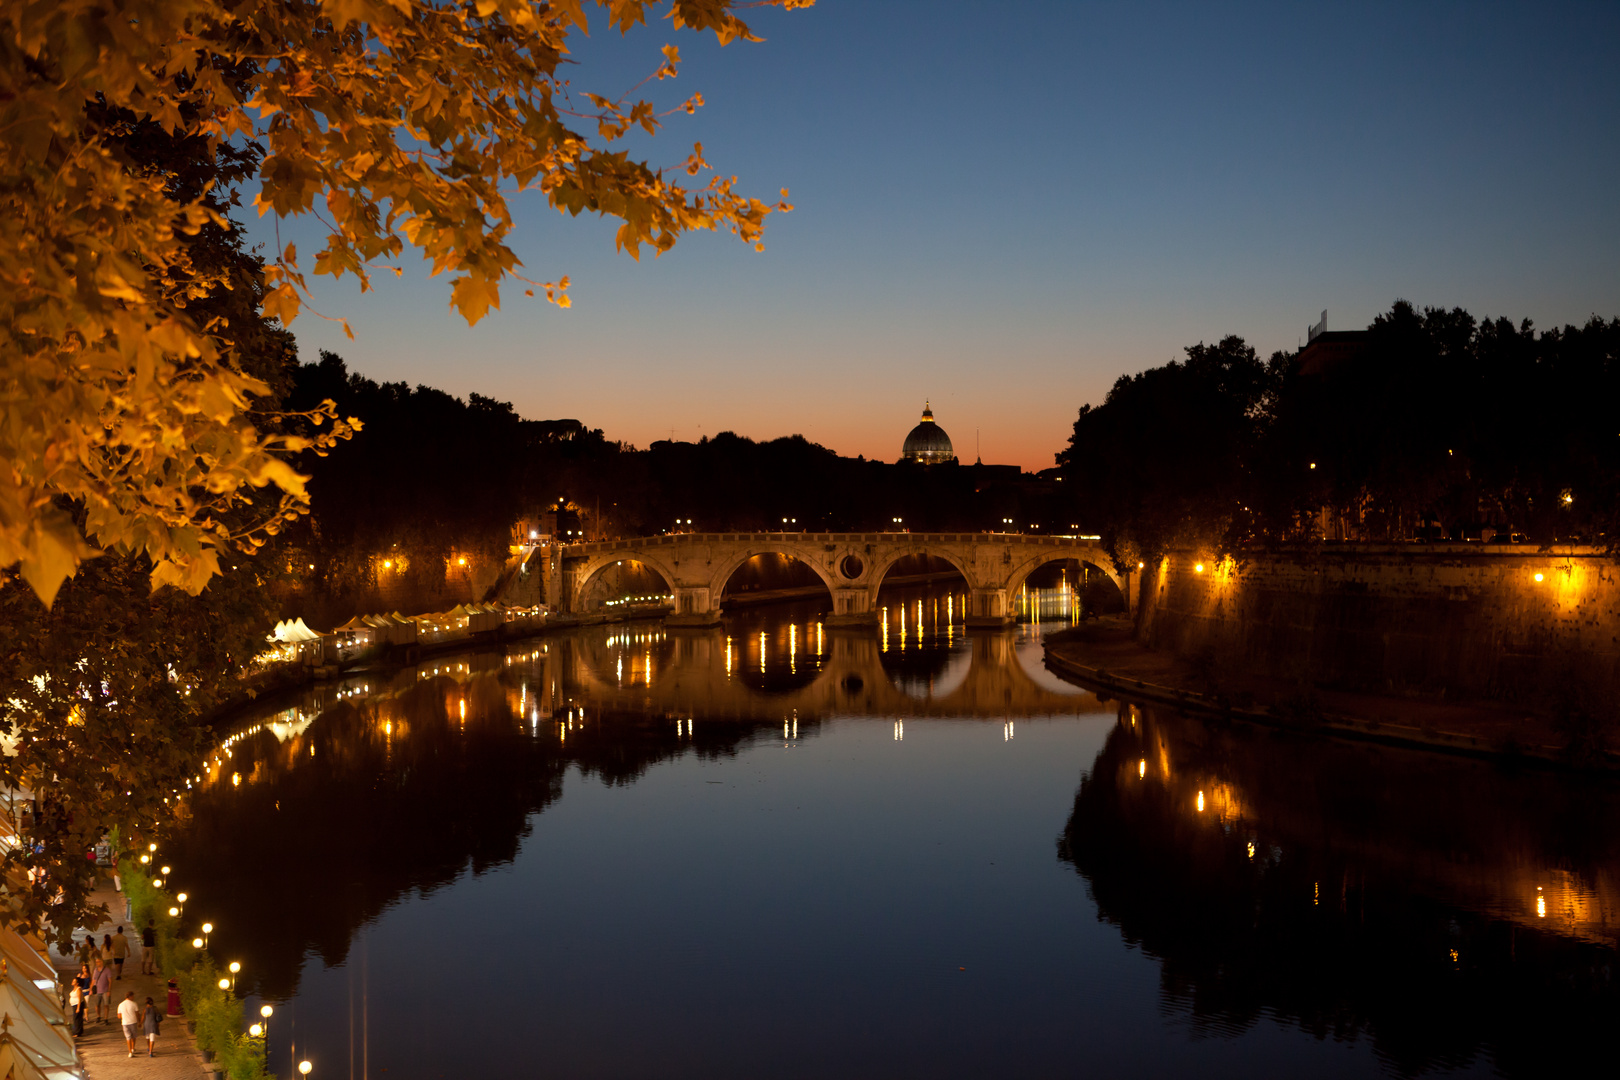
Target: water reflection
{"points": [[1445, 913], [1440, 907]]}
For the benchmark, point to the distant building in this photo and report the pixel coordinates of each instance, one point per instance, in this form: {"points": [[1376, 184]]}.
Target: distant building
{"points": [[927, 444], [1325, 349]]}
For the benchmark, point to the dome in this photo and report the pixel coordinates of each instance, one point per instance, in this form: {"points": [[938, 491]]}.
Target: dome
{"points": [[927, 442]]}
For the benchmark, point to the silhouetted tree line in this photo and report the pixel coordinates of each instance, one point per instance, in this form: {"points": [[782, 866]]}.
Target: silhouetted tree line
{"points": [[432, 473], [1435, 426]]}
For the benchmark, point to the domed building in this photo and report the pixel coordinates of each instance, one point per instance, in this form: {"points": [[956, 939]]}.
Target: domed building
{"points": [[927, 444]]}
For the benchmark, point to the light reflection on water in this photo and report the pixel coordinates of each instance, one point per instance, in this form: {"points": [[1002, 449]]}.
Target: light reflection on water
{"points": [[683, 848]]}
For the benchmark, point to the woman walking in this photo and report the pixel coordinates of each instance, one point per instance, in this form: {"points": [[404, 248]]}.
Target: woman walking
{"points": [[151, 1023], [76, 1004]]}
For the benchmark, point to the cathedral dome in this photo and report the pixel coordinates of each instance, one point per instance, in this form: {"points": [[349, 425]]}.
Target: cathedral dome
{"points": [[927, 443]]}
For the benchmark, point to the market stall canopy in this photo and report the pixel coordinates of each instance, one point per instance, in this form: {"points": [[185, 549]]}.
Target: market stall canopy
{"points": [[294, 632]]}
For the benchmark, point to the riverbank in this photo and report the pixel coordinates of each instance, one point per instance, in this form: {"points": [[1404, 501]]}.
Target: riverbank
{"points": [[101, 1048], [1104, 656]]}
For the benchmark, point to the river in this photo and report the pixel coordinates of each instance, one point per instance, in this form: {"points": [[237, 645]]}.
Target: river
{"points": [[773, 850]]}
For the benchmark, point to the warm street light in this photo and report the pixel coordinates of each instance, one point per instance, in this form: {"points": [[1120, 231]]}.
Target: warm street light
{"points": [[208, 928], [151, 847], [224, 984], [175, 912], [266, 1011], [145, 859], [196, 943], [256, 1030], [304, 1067], [265, 1027]]}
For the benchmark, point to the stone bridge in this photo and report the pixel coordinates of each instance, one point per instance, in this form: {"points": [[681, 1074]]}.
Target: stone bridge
{"points": [[696, 566]]}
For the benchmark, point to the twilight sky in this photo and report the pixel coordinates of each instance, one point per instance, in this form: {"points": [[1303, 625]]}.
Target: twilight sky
{"points": [[1004, 205]]}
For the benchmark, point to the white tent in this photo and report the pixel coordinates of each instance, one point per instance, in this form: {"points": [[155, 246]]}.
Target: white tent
{"points": [[23, 1021], [21, 1061], [22, 960], [293, 631]]}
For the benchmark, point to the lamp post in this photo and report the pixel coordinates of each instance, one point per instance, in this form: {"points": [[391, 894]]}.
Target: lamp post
{"points": [[182, 899], [304, 1067], [264, 1028], [208, 928], [236, 967]]}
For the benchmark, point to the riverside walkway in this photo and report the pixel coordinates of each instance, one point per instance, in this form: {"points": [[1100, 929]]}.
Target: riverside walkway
{"points": [[102, 1048]]}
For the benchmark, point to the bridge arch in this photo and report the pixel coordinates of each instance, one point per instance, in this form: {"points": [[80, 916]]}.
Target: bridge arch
{"points": [[880, 570], [799, 552], [584, 576], [1094, 557]]}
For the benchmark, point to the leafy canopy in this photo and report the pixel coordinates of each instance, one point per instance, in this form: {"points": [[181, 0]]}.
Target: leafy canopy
{"points": [[123, 411]]}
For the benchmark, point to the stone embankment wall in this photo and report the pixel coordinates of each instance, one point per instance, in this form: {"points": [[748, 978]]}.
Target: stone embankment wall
{"points": [[1467, 621]]}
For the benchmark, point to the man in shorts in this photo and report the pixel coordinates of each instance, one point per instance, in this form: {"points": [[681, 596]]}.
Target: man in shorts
{"points": [[120, 951], [101, 990], [129, 1014]]}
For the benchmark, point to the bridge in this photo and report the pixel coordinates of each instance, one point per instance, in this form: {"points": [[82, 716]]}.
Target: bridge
{"points": [[697, 566]]}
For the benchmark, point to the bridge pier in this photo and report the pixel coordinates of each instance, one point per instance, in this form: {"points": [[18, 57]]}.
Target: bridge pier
{"points": [[694, 607], [852, 607], [988, 608]]}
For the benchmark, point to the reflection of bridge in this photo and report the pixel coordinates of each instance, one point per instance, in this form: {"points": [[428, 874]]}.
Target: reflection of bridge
{"points": [[697, 676], [697, 566]]}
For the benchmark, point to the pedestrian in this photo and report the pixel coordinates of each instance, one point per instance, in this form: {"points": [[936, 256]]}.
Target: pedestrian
{"points": [[76, 1007], [129, 1014], [86, 947], [120, 951], [152, 1024], [174, 998], [148, 948], [101, 991]]}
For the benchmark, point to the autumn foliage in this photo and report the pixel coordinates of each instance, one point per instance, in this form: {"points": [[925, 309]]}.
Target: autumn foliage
{"points": [[127, 409]]}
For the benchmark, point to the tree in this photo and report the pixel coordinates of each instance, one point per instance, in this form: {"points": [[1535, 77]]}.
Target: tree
{"points": [[399, 121], [1162, 460]]}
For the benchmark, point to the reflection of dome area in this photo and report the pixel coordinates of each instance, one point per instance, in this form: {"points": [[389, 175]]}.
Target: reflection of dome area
{"points": [[927, 443]]}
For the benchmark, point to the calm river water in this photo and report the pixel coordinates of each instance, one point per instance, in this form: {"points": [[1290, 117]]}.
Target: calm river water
{"points": [[769, 850]]}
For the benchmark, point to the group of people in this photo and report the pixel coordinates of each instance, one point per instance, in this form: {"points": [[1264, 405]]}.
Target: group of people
{"points": [[99, 967]]}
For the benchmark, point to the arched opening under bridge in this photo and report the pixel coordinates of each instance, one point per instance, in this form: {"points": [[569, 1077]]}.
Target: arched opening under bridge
{"points": [[629, 587], [1063, 589], [774, 577]]}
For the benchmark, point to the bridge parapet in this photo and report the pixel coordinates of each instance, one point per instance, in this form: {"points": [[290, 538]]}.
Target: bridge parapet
{"points": [[852, 565]]}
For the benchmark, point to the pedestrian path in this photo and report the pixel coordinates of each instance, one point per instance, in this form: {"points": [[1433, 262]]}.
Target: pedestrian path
{"points": [[102, 1048]]}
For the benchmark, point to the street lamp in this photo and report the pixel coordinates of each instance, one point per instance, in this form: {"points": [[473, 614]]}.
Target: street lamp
{"points": [[182, 899], [256, 1030], [208, 928], [174, 912], [196, 943], [304, 1067], [164, 871], [235, 968], [264, 1028], [225, 984]]}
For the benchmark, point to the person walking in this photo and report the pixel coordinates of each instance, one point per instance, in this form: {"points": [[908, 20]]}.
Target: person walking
{"points": [[152, 1025], [148, 948], [120, 952], [129, 1014], [101, 991]]}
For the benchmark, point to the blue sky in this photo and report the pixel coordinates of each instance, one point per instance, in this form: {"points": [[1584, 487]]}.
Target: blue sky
{"points": [[1003, 206]]}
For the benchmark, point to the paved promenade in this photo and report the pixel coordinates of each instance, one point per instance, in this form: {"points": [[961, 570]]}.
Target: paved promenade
{"points": [[102, 1047]]}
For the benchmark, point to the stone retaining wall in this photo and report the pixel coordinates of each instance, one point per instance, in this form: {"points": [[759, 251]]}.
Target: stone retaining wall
{"points": [[1456, 620]]}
